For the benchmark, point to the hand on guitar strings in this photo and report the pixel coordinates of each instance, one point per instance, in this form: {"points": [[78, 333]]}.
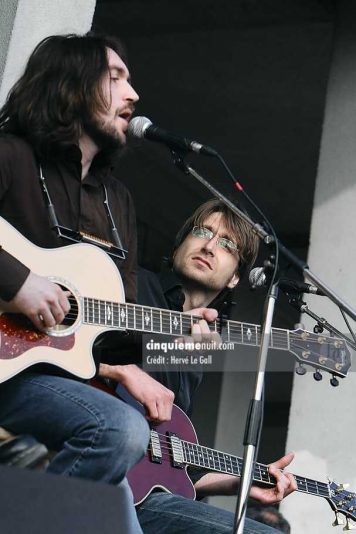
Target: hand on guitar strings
{"points": [[201, 331], [42, 301]]}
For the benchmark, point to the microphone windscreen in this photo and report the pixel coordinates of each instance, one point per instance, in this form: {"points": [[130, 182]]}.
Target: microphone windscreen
{"points": [[138, 126], [257, 277]]}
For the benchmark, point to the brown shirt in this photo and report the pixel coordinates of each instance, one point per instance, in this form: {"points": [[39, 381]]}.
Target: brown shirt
{"points": [[78, 205]]}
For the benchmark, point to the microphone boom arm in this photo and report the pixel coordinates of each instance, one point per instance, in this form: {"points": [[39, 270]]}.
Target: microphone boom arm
{"points": [[300, 265]]}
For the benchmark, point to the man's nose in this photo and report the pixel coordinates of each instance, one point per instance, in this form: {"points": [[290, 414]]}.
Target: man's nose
{"points": [[211, 244], [131, 94]]}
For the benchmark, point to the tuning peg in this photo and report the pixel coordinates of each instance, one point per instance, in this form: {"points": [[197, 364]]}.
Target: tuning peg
{"points": [[338, 520], [349, 525], [317, 375], [342, 487], [318, 328], [334, 381], [300, 369]]}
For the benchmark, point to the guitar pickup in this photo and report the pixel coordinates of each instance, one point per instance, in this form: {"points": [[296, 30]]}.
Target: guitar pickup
{"points": [[156, 451], [177, 451]]}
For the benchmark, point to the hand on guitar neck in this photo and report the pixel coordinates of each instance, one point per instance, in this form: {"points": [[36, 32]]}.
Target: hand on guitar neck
{"points": [[42, 301], [223, 484], [154, 396]]}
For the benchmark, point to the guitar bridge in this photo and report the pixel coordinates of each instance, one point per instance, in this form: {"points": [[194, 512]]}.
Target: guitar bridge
{"points": [[177, 451]]}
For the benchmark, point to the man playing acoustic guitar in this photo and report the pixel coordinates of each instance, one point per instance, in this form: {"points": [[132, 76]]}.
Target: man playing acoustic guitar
{"points": [[62, 124]]}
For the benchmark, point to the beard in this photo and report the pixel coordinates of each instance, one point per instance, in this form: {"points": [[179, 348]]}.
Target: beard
{"points": [[104, 135]]}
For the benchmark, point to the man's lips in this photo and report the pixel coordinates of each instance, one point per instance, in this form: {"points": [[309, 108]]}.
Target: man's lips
{"points": [[203, 261], [126, 114]]}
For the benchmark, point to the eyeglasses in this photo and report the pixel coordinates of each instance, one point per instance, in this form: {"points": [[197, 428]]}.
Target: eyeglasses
{"points": [[222, 242]]}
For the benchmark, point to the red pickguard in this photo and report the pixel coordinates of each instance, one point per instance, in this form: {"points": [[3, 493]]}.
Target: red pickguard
{"points": [[18, 335]]}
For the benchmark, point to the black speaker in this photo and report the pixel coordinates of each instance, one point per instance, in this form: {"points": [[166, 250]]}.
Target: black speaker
{"points": [[42, 503]]}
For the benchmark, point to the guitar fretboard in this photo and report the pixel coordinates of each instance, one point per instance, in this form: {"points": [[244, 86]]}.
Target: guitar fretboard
{"points": [[146, 319], [214, 460]]}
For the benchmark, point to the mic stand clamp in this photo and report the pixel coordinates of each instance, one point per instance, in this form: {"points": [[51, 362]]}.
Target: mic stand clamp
{"points": [[302, 307]]}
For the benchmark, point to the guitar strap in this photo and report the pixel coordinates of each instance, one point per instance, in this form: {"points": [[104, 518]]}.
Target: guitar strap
{"points": [[112, 249]]}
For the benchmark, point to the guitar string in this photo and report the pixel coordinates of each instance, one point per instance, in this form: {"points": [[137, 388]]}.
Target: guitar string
{"points": [[236, 328], [309, 485], [276, 336]]}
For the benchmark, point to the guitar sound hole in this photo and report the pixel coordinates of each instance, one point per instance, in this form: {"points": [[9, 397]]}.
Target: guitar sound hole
{"points": [[71, 316]]}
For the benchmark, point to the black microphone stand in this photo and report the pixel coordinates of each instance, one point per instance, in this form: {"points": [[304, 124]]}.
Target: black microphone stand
{"points": [[254, 419]]}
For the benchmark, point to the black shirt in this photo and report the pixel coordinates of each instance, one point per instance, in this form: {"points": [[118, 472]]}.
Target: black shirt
{"points": [[165, 291], [78, 204]]}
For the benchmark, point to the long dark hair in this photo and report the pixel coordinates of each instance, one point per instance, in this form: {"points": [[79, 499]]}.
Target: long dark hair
{"points": [[59, 91]]}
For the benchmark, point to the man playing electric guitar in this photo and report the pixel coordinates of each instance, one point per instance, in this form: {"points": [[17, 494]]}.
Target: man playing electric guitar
{"points": [[212, 251]]}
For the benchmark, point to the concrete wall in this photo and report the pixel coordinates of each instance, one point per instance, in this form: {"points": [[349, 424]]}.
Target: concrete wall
{"points": [[23, 23], [322, 428]]}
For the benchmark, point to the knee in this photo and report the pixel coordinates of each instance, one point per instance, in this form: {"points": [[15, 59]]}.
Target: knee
{"points": [[127, 435], [137, 434]]}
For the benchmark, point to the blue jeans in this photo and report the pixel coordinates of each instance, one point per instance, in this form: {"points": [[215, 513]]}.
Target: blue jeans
{"points": [[171, 514], [97, 436]]}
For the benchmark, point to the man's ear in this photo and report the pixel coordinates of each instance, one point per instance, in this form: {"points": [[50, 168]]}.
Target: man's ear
{"points": [[234, 281]]}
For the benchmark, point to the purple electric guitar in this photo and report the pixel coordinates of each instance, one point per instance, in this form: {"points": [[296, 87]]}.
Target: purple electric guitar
{"points": [[174, 446]]}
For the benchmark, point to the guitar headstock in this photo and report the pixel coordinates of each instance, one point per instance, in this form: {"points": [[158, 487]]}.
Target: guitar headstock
{"points": [[322, 352], [343, 502]]}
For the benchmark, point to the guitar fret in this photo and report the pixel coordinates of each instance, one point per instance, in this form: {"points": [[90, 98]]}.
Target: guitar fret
{"points": [[122, 310], [336, 356], [280, 339], [156, 320], [312, 486], [264, 475], [186, 325], [111, 315], [176, 323], [131, 317], [147, 320], [88, 310], [249, 334], [195, 454], [91, 308], [217, 464], [166, 323], [85, 308]]}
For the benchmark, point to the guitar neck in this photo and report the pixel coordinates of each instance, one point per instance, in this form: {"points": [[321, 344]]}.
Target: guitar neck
{"points": [[213, 460], [135, 317]]}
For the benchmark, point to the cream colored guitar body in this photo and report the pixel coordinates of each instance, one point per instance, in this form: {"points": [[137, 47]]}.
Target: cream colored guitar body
{"points": [[84, 270]]}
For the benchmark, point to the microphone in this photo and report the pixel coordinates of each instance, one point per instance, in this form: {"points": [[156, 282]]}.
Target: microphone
{"points": [[299, 287], [142, 127], [257, 278]]}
